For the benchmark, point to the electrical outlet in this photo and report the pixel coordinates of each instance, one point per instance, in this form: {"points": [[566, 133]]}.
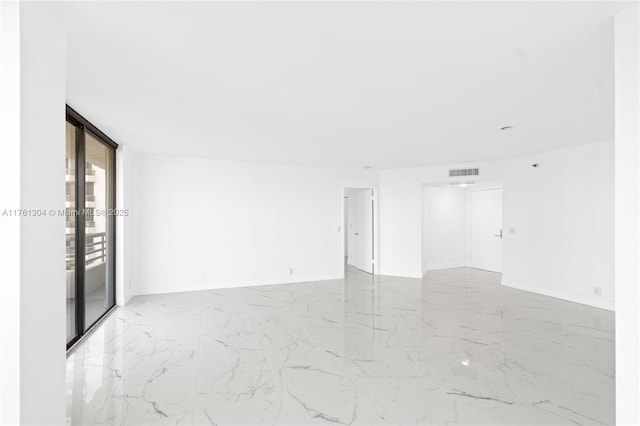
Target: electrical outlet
{"points": [[290, 271], [597, 291]]}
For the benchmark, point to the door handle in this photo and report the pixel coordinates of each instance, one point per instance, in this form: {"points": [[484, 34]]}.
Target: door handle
{"points": [[498, 235]]}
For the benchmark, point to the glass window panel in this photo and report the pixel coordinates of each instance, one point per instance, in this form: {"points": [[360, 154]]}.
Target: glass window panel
{"points": [[99, 227], [70, 230]]}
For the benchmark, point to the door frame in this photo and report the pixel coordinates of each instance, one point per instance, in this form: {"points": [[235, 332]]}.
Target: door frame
{"points": [[375, 261], [82, 124]]}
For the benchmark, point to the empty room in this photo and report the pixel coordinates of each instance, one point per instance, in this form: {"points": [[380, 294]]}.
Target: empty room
{"points": [[303, 213]]}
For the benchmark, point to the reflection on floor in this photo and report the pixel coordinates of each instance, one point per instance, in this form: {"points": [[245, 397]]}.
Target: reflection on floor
{"points": [[95, 306], [453, 348]]}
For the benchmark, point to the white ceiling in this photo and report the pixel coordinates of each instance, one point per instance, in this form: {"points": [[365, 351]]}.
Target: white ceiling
{"points": [[386, 84]]}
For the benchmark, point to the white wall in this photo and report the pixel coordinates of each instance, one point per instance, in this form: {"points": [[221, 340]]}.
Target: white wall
{"points": [[32, 372], [10, 199], [562, 215], [445, 226], [627, 213], [400, 212], [124, 224], [202, 223], [43, 277]]}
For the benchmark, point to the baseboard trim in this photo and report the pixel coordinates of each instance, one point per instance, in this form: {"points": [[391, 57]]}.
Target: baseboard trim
{"points": [[438, 266], [583, 300], [399, 274], [219, 286]]}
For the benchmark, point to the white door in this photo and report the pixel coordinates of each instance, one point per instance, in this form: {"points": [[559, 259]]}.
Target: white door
{"points": [[352, 227], [360, 238], [486, 230]]}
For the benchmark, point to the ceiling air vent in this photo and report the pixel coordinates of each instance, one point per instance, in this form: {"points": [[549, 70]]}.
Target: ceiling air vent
{"points": [[464, 172]]}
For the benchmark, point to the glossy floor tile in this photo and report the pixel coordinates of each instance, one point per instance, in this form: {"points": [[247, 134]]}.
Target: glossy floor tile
{"points": [[453, 348]]}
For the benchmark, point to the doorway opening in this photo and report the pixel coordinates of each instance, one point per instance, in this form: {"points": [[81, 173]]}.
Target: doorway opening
{"points": [[359, 252], [461, 227]]}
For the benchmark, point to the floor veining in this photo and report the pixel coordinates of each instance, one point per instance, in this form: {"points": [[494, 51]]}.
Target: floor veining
{"points": [[455, 348]]}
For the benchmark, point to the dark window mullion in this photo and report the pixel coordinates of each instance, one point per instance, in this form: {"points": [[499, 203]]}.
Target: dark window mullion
{"points": [[112, 219], [80, 229]]}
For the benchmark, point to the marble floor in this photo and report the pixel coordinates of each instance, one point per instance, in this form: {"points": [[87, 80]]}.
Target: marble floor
{"points": [[453, 348]]}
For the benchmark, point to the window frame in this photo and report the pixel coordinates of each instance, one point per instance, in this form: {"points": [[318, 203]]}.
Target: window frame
{"points": [[83, 125]]}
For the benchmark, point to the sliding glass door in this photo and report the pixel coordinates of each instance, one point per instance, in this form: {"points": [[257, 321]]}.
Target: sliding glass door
{"points": [[90, 236]]}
